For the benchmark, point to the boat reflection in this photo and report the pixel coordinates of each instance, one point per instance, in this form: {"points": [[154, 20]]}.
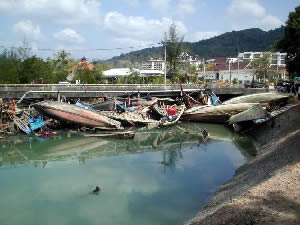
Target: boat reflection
{"points": [[38, 151]]}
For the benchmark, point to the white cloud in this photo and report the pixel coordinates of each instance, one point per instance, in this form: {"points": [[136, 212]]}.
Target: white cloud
{"points": [[62, 12], [69, 35], [270, 21], [161, 5], [26, 27], [249, 13], [246, 8], [139, 27], [186, 7], [197, 36], [130, 42]]}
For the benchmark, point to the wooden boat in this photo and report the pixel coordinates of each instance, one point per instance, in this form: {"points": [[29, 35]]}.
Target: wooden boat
{"points": [[131, 118], [253, 113], [139, 101], [258, 98], [164, 123], [74, 114], [214, 113], [108, 105]]}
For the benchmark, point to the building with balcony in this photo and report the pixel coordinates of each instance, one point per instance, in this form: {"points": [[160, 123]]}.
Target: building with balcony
{"points": [[153, 67]]}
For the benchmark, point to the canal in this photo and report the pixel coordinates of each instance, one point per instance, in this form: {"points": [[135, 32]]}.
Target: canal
{"points": [[162, 176]]}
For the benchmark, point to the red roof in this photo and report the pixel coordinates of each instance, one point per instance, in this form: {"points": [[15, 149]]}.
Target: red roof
{"points": [[83, 64], [233, 66], [220, 60]]}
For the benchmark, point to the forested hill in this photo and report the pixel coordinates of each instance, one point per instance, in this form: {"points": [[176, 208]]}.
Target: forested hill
{"points": [[226, 44]]}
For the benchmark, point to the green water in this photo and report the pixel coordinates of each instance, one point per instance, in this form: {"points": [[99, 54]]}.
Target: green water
{"points": [[162, 176]]}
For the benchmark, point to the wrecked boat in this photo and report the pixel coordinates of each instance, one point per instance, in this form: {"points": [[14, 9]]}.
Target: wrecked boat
{"points": [[262, 98], [132, 118], [108, 105], [74, 114], [253, 113], [214, 113]]}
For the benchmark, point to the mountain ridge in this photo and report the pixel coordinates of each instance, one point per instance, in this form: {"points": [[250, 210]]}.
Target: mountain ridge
{"points": [[227, 44]]}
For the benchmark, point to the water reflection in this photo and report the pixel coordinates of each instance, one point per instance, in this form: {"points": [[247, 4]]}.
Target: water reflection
{"points": [[170, 141], [144, 181]]}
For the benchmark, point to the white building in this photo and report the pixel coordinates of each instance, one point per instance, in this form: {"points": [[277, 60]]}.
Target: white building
{"points": [[153, 67], [195, 61], [277, 58], [119, 72]]}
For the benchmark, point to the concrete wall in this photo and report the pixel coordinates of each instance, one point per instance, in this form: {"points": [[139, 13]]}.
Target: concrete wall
{"points": [[277, 127], [17, 91]]}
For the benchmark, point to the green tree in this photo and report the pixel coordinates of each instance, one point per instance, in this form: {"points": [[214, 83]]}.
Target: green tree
{"points": [[9, 64], [63, 65], [35, 69], [85, 75], [262, 66], [134, 78], [174, 47], [24, 51], [291, 43], [99, 68]]}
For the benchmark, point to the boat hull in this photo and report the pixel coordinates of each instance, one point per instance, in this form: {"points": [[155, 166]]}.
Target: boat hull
{"points": [[74, 114], [215, 113]]}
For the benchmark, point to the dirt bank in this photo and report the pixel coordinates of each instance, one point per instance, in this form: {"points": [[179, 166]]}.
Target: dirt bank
{"points": [[264, 191]]}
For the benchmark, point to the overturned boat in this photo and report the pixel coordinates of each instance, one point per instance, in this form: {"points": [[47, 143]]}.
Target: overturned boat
{"points": [[262, 98], [214, 113], [74, 114]]}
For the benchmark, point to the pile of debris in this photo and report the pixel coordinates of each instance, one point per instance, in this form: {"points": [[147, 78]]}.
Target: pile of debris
{"points": [[117, 113]]}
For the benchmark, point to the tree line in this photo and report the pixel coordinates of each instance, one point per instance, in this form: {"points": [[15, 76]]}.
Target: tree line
{"points": [[20, 66]]}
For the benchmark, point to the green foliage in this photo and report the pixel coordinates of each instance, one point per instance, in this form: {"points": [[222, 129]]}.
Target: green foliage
{"points": [[34, 69], [134, 78], [85, 75], [262, 66], [9, 64], [157, 80], [18, 67], [174, 45], [180, 78], [290, 43]]}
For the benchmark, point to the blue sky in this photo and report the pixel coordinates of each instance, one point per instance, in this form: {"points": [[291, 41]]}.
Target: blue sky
{"points": [[98, 24]]}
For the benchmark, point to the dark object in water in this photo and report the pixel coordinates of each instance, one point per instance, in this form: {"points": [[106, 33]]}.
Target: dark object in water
{"points": [[97, 190]]}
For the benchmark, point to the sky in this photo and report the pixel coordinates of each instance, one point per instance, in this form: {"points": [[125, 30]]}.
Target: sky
{"points": [[127, 25]]}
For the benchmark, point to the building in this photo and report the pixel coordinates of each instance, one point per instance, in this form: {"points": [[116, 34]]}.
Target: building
{"points": [[152, 67], [229, 71], [195, 61], [276, 59], [119, 72], [83, 64]]}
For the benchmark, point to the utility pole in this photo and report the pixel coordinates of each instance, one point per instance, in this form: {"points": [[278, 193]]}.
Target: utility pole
{"points": [[229, 72], [165, 59], [165, 63]]}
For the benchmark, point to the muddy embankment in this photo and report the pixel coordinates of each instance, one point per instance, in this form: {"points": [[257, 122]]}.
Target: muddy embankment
{"points": [[265, 190]]}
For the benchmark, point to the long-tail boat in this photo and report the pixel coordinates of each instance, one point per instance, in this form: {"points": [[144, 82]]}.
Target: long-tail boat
{"points": [[74, 114], [266, 98], [214, 113]]}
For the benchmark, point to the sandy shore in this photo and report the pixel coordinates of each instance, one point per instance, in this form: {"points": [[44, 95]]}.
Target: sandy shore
{"points": [[264, 191]]}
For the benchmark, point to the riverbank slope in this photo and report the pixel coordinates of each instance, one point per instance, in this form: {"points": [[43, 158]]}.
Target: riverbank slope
{"points": [[263, 191]]}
